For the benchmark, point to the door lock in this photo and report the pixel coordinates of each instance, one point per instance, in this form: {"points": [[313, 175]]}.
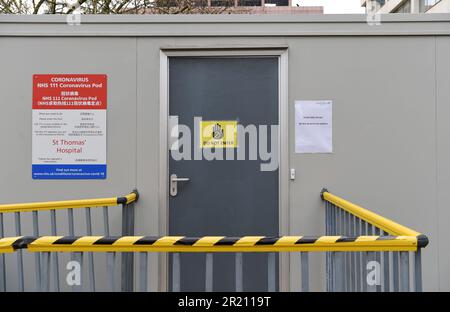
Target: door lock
{"points": [[174, 184]]}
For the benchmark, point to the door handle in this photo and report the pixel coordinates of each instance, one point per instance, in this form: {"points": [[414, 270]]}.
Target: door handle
{"points": [[180, 179], [174, 184]]}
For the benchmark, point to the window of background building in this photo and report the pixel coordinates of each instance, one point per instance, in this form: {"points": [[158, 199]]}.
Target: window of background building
{"points": [[170, 3], [201, 3], [249, 3], [222, 3], [278, 2], [425, 5], [404, 8]]}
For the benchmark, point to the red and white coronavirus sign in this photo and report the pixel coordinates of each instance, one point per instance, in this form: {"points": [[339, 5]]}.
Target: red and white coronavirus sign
{"points": [[69, 126]]}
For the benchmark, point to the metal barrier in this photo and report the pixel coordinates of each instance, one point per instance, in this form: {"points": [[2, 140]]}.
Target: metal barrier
{"points": [[37, 210], [346, 271], [364, 252], [209, 245]]}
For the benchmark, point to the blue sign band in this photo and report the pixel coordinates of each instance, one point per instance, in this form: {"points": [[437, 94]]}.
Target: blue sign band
{"points": [[59, 171]]}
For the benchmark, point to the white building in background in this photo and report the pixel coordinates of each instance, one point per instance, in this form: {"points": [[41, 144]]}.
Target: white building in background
{"points": [[408, 6]]}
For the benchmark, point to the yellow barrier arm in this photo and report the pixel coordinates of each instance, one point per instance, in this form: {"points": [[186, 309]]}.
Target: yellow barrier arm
{"points": [[10, 244], [209, 244], [65, 204], [387, 225]]}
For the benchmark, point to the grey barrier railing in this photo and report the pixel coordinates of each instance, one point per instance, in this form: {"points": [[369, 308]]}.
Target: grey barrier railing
{"points": [[392, 270], [363, 252], [47, 213], [81, 247]]}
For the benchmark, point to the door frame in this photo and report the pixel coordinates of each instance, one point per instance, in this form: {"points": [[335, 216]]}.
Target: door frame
{"points": [[283, 138]]}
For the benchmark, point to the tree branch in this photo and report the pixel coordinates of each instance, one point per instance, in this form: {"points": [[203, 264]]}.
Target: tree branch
{"points": [[38, 6], [71, 9]]}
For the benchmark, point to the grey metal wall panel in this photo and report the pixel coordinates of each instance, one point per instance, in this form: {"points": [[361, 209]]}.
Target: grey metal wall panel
{"points": [[27, 56], [383, 132], [442, 99]]}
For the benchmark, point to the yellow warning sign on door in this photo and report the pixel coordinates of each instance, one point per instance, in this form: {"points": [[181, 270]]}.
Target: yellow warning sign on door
{"points": [[218, 134]]}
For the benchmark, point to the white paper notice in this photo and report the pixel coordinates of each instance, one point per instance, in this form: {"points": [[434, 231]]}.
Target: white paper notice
{"points": [[313, 127]]}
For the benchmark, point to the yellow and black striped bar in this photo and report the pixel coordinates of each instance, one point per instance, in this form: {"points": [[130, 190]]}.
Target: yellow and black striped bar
{"points": [[215, 243], [10, 244], [65, 204], [387, 225]]}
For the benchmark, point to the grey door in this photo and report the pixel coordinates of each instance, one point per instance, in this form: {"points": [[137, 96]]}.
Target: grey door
{"points": [[224, 197]]}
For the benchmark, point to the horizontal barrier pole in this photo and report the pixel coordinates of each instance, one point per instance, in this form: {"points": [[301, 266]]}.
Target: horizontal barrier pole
{"points": [[65, 204], [215, 243], [9, 244], [383, 223]]}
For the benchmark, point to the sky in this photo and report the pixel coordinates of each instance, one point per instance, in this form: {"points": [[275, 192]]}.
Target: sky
{"points": [[334, 6]]}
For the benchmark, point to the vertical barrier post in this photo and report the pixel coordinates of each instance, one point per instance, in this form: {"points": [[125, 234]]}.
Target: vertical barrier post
{"points": [[404, 271], [395, 273], [238, 272], [338, 256], [363, 259], [271, 271], [90, 255], [371, 287], [127, 257], [305, 271], [332, 232], [111, 270], [19, 253], [347, 254], [37, 256], [377, 232], [418, 271], [54, 254], [110, 256], [339, 272], [209, 273], [328, 254], [352, 275], [78, 256], [344, 232], [386, 278], [2, 259], [358, 256], [45, 272], [143, 271], [176, 272], [71, 222], [106, 220]]}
